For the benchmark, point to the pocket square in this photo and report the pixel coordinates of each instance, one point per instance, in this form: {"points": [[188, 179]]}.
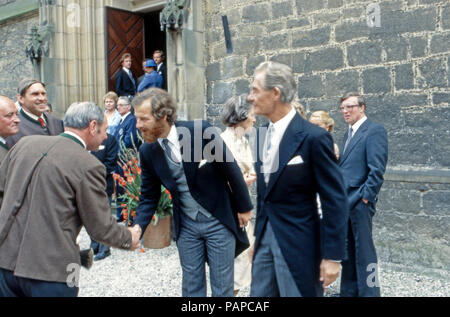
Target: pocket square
{"points": [[295, 160], [202, 162], [101, 147]]}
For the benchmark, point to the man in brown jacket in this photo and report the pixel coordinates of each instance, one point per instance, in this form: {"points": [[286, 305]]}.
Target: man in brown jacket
{"points": [[51, 186], [9, 123]]}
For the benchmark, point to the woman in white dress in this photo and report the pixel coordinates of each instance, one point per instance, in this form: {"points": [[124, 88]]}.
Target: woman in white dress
{"points": [[239, 118]]}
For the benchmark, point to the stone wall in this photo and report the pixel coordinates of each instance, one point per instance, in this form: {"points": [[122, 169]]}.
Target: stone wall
{"points": [[14, 65], [401, 67]]}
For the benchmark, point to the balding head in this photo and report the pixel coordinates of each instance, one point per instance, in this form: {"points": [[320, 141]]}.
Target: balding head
{"points": [[9, 119]]}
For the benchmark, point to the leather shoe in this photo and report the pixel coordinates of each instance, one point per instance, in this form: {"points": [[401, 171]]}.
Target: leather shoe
{"points": [[102, 255]]}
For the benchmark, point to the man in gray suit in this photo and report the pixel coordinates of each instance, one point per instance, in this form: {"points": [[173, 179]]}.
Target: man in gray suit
{"points": [[9, 123], [50, 187], [34, 120], [363, 163]]}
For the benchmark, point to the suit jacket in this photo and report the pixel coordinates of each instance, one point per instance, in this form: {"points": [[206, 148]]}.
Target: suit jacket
{"points": [[50, 187], [364, 162], [127, 133], [29, 126], [124, 85], [289, 203], [107, 154], [3, 151], [163, 72], [218, 186]]}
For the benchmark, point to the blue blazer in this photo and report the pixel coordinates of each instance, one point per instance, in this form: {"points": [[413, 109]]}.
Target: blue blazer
{"points": [[289, 203], [219, 187], [364, 162], [107, 154], [124, 85], [126, 131]]}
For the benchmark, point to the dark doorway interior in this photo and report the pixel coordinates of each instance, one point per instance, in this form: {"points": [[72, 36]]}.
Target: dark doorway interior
{"points": [[155, 39]]}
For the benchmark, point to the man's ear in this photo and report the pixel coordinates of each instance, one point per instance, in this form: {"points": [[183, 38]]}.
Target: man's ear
{"points": [[277, 93], [93, 127], [20, 98]]}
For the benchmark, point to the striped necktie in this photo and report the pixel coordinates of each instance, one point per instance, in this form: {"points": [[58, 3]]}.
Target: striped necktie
{"points": [[169, 152], [41, 121], [349, 137]]}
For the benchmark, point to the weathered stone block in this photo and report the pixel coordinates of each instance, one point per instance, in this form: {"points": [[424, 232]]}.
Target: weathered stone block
{"points": [[213, 72], [364, 53], [337, 84], [335, 4], [329, 105], [433, 73], [396, 48], [222, 92], [297, 23], [398, 22], [404, 77], [305, 6], [252, 63], [441, 97], [246, 45], [351, 30], [283, 58], [403, 201], [282, 9], [241, 86], [310, 86], [300, 61], [255, 13], [276, 42], [314, 37], [440, 43], [376, 80], [437, 203], [326, 18], [329, 58], [446, 17], [274, 27], [232, 67], [418, 46]]}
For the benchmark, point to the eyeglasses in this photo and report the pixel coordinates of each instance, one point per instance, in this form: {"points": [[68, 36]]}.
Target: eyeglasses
{"points": [[347, 107], [122, 105]]}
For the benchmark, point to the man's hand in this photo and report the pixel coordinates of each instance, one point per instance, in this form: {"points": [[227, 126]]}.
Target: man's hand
{"points": [[365, 201], [329, 272], [135, 237], [244, 218], [249, 178]]}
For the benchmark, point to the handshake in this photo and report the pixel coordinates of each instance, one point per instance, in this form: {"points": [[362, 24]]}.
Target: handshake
{"points": [[136, 232]]}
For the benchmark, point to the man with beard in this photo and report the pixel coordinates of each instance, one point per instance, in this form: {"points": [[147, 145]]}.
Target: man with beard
{"points": [[9, 123], [33, 117], [210, 197]]}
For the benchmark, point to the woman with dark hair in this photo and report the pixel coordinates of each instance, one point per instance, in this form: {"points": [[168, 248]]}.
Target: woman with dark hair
{"points": [[239, 118]]}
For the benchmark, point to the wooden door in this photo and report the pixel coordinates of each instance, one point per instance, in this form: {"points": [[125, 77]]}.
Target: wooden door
{"points": [[125, 34]]}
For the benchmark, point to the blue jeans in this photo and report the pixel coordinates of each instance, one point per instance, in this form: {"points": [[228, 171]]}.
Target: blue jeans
{"points": [[206, 240], [271, 276], [14, 286]]}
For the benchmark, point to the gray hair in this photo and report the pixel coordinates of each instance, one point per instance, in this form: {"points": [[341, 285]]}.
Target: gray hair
{"points": [[126, 99], [280, 76], [236, 110], [80, 114], [25, 84]]}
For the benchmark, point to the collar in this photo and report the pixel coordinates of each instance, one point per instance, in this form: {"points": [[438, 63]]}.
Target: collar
{"points": [[75, 137], [33, 116], [172, 137], [231, 133], [281, 125], [127, 70], [3, 143], [357, 124], [125, 115], [2, 140]]}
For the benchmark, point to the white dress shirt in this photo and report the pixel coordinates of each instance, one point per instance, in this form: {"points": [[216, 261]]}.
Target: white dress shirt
{"points": [[271, 164], [34, 117], [173, 143], [2, 140], [357, 124]]}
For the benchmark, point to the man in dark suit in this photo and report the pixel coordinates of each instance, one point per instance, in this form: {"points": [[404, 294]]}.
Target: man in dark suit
{"points": [[107, 154], [126, 136], [363, 163], [9, 123], [33, 117], [295, 251], [210, 197], [125, 81], [50, 187], [158, 57]]}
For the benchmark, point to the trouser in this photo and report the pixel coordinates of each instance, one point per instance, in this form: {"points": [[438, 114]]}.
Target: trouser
{"points": [[203, 240], [14, 286]]}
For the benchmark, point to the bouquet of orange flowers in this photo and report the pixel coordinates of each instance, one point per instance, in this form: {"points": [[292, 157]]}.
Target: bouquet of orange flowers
{"points": [[131, 183]]}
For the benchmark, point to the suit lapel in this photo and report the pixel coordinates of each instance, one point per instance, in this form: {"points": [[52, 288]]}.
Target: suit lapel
{"points": [[292, 139], [355, 139], [261, 137]]}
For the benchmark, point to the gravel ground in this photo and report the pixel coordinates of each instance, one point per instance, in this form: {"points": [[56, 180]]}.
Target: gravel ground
{"points": [[157, 273]]}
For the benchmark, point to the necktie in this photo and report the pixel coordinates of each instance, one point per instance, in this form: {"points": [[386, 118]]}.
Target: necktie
{"points": [[349, 137], [170, 154], [267, 146], [42, 122], [131, 78]]}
